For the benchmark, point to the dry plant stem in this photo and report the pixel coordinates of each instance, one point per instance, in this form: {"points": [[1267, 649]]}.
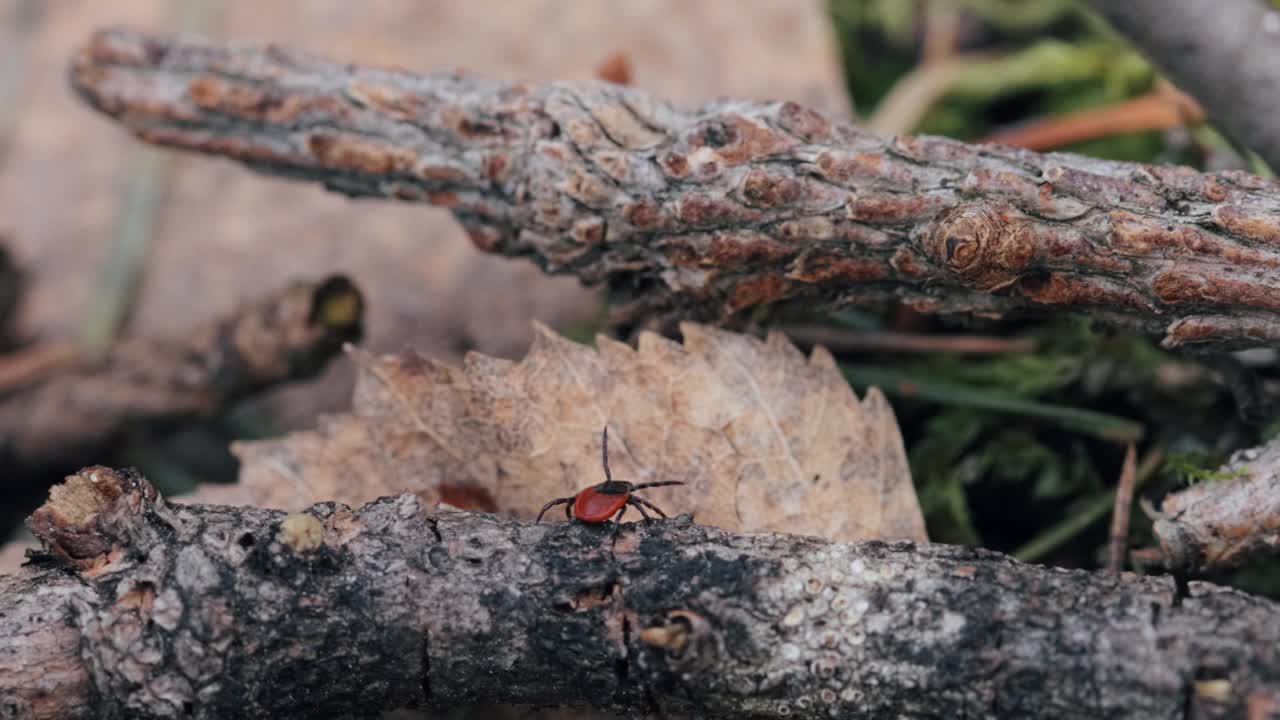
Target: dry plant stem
{"points": [[1217, 524], [136, 216], [148, 174], [941, 31], [915, 94], [1118, 542], [71, 412], [728, 206], [1158, 110], [210, 611], [1224, 53]]}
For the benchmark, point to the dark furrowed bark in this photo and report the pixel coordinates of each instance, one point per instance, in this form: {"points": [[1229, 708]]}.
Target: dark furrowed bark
{"points": [[205, 611], [715, 210]]}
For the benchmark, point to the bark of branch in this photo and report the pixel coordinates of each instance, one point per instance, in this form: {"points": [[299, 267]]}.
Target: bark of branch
{"points": [[728, 206], [1218, 524], [1225, 53], [72, 412], [211, 612]]}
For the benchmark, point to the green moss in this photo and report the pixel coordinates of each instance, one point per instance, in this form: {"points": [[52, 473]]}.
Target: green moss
{"points": [[1191, 468]]}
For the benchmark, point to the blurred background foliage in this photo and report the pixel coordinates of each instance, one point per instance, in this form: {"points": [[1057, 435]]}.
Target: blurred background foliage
{"points": [[1018, 449]]}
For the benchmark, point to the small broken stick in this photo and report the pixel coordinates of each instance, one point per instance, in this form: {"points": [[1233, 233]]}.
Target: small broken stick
{"points": [[1218, 524], [1119, 538], [70, 414]]}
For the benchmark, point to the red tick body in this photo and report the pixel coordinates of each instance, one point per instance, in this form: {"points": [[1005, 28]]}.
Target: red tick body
{"points": [[610, 498], [592, 505]]}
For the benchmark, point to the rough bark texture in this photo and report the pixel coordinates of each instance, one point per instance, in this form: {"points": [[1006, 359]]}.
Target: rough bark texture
{"points": [[1225, 53], [210, 612], [70, 414], [728, 206], [42, 675], [1218, 524]]}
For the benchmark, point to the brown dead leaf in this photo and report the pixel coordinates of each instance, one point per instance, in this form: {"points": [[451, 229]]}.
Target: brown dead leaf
{"points": [[765, 439]]}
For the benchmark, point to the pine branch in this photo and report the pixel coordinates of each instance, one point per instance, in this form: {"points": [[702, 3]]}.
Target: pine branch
{"points": [[735, 204], [151, 609]]}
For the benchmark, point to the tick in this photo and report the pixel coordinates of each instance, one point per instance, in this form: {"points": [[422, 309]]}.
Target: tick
{"points": [[598, 503]]}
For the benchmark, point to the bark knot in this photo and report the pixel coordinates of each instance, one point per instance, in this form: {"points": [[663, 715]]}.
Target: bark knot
{"points": [[987, 245]]}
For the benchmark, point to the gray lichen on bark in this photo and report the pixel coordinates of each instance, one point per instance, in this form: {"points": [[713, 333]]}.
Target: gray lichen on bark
{"points": [[205, 611]]}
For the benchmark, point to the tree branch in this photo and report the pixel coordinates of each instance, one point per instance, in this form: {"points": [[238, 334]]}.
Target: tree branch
{"points": [[728, 206], [1225, 53], [77, 406], [210, 612], [1217, 524]]}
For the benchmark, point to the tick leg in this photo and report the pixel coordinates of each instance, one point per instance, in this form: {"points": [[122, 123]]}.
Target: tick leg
{"points": [[617, 523], [553, 503], [604, 454], [646, 504], [639, 505], [568, 511], [660, 483]]}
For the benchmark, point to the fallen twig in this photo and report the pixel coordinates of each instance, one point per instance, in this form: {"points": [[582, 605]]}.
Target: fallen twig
{"points": [[1118, 541], [1217, 524], [211, 612], [730, 206], [71, 412]]}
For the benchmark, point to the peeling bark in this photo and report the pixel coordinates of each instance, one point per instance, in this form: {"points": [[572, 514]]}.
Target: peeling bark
{"points": [[1218, 524], [718, 209], [211, 612], [70, 413]]}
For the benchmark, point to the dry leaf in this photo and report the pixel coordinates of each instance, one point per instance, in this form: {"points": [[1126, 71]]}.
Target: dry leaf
{"points": [[765, 439]]}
